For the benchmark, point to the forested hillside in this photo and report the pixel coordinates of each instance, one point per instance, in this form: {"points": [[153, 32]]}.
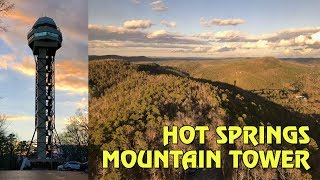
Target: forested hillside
{"points": [[294, 83], [130, 103]]}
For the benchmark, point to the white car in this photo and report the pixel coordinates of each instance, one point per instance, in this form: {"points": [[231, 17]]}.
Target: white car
{"points": [[71, 165]]}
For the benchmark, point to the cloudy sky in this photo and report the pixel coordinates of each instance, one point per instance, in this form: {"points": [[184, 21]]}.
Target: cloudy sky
{"points": [[205, 28], [17, 65]]}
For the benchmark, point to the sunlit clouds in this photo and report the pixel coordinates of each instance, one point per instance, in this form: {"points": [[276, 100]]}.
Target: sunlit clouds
{"points": [[6, 60], [70, 75], [160, 34], [26, 66], [136, 24], [17, 63], [74, 30], [204, 29], [287, 42], [20, 17], [18, 118]]}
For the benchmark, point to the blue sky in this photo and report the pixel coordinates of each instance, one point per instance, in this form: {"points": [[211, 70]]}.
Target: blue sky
{"points": [[17, 65], [262, 19]]}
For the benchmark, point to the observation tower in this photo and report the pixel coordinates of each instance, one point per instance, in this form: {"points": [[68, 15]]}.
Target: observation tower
{"points": [[44, 39]]}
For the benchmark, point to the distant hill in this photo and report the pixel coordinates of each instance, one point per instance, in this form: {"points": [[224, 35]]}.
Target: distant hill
{"points": [[127, 58], [145, 58], [248, 73], [303, 60], [131, 102]]}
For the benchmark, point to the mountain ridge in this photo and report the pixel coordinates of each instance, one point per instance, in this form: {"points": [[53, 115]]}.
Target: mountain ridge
{"points": [[139, 99]]}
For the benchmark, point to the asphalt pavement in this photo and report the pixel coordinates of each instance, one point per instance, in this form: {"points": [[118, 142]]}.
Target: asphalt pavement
{"points": [[42, 175]]}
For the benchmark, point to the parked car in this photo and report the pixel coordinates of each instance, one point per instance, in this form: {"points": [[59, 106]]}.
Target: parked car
{"points": [[69, 166], [84, 167]]}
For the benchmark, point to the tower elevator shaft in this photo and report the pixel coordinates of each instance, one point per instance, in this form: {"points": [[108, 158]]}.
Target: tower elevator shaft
{"points": [[44, 101]]}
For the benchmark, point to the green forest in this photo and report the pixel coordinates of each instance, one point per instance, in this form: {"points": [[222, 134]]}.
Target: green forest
{"points": [[131, 102]]}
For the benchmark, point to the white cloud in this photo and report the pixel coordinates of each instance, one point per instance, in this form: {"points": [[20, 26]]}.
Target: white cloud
{"points": [[105, 44], [310, 40], [300, 39], [221, 22], [285, 43], [223, 48], [286, 34], [316, 36], [113, 33], [137, 24], [223, 35], [158, 6], [169, 24], [229, 35], [158, 34], [261, 44]]}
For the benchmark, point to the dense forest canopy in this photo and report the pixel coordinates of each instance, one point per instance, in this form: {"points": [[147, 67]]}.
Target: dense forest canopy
{"points": [[130, 103]]}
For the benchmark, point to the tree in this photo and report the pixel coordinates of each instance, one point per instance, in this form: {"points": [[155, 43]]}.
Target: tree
{"points": [[7, 144], [76, 133], [74, 139], [5, 7], [2, 123], [2, 134], [12, 143], [8, 151], [22, 148]]}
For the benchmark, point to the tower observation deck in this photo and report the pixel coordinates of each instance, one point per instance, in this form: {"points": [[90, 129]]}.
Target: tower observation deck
{"points": [[44, 39]]}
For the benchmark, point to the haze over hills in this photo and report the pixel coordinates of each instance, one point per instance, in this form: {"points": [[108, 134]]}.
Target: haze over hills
{"points": [[130, 102]]}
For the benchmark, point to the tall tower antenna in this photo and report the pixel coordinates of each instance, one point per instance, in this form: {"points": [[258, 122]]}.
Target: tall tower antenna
{"points": [[44, 39]]}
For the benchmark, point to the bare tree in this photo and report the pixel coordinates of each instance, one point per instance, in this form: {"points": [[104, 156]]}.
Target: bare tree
{"points": [[5, 7], [2, 133], [77, 131], [2, 121], [75, 137]]}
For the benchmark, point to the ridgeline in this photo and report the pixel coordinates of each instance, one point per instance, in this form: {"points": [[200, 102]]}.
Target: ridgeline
{"points": [[130, 103]]}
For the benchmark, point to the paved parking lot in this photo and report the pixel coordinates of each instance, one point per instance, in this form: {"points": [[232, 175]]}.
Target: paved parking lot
{"points": [[42, 175]]}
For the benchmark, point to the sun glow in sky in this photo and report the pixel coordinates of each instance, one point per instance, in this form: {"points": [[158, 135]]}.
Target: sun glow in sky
{"points": [[17, 65], [206, 28]]}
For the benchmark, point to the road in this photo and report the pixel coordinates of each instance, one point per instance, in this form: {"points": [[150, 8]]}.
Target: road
{"points": [[42, 174]]}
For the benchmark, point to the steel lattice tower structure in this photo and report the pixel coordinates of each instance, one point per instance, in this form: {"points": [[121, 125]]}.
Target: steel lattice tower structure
{"points": [[44, 39]]}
